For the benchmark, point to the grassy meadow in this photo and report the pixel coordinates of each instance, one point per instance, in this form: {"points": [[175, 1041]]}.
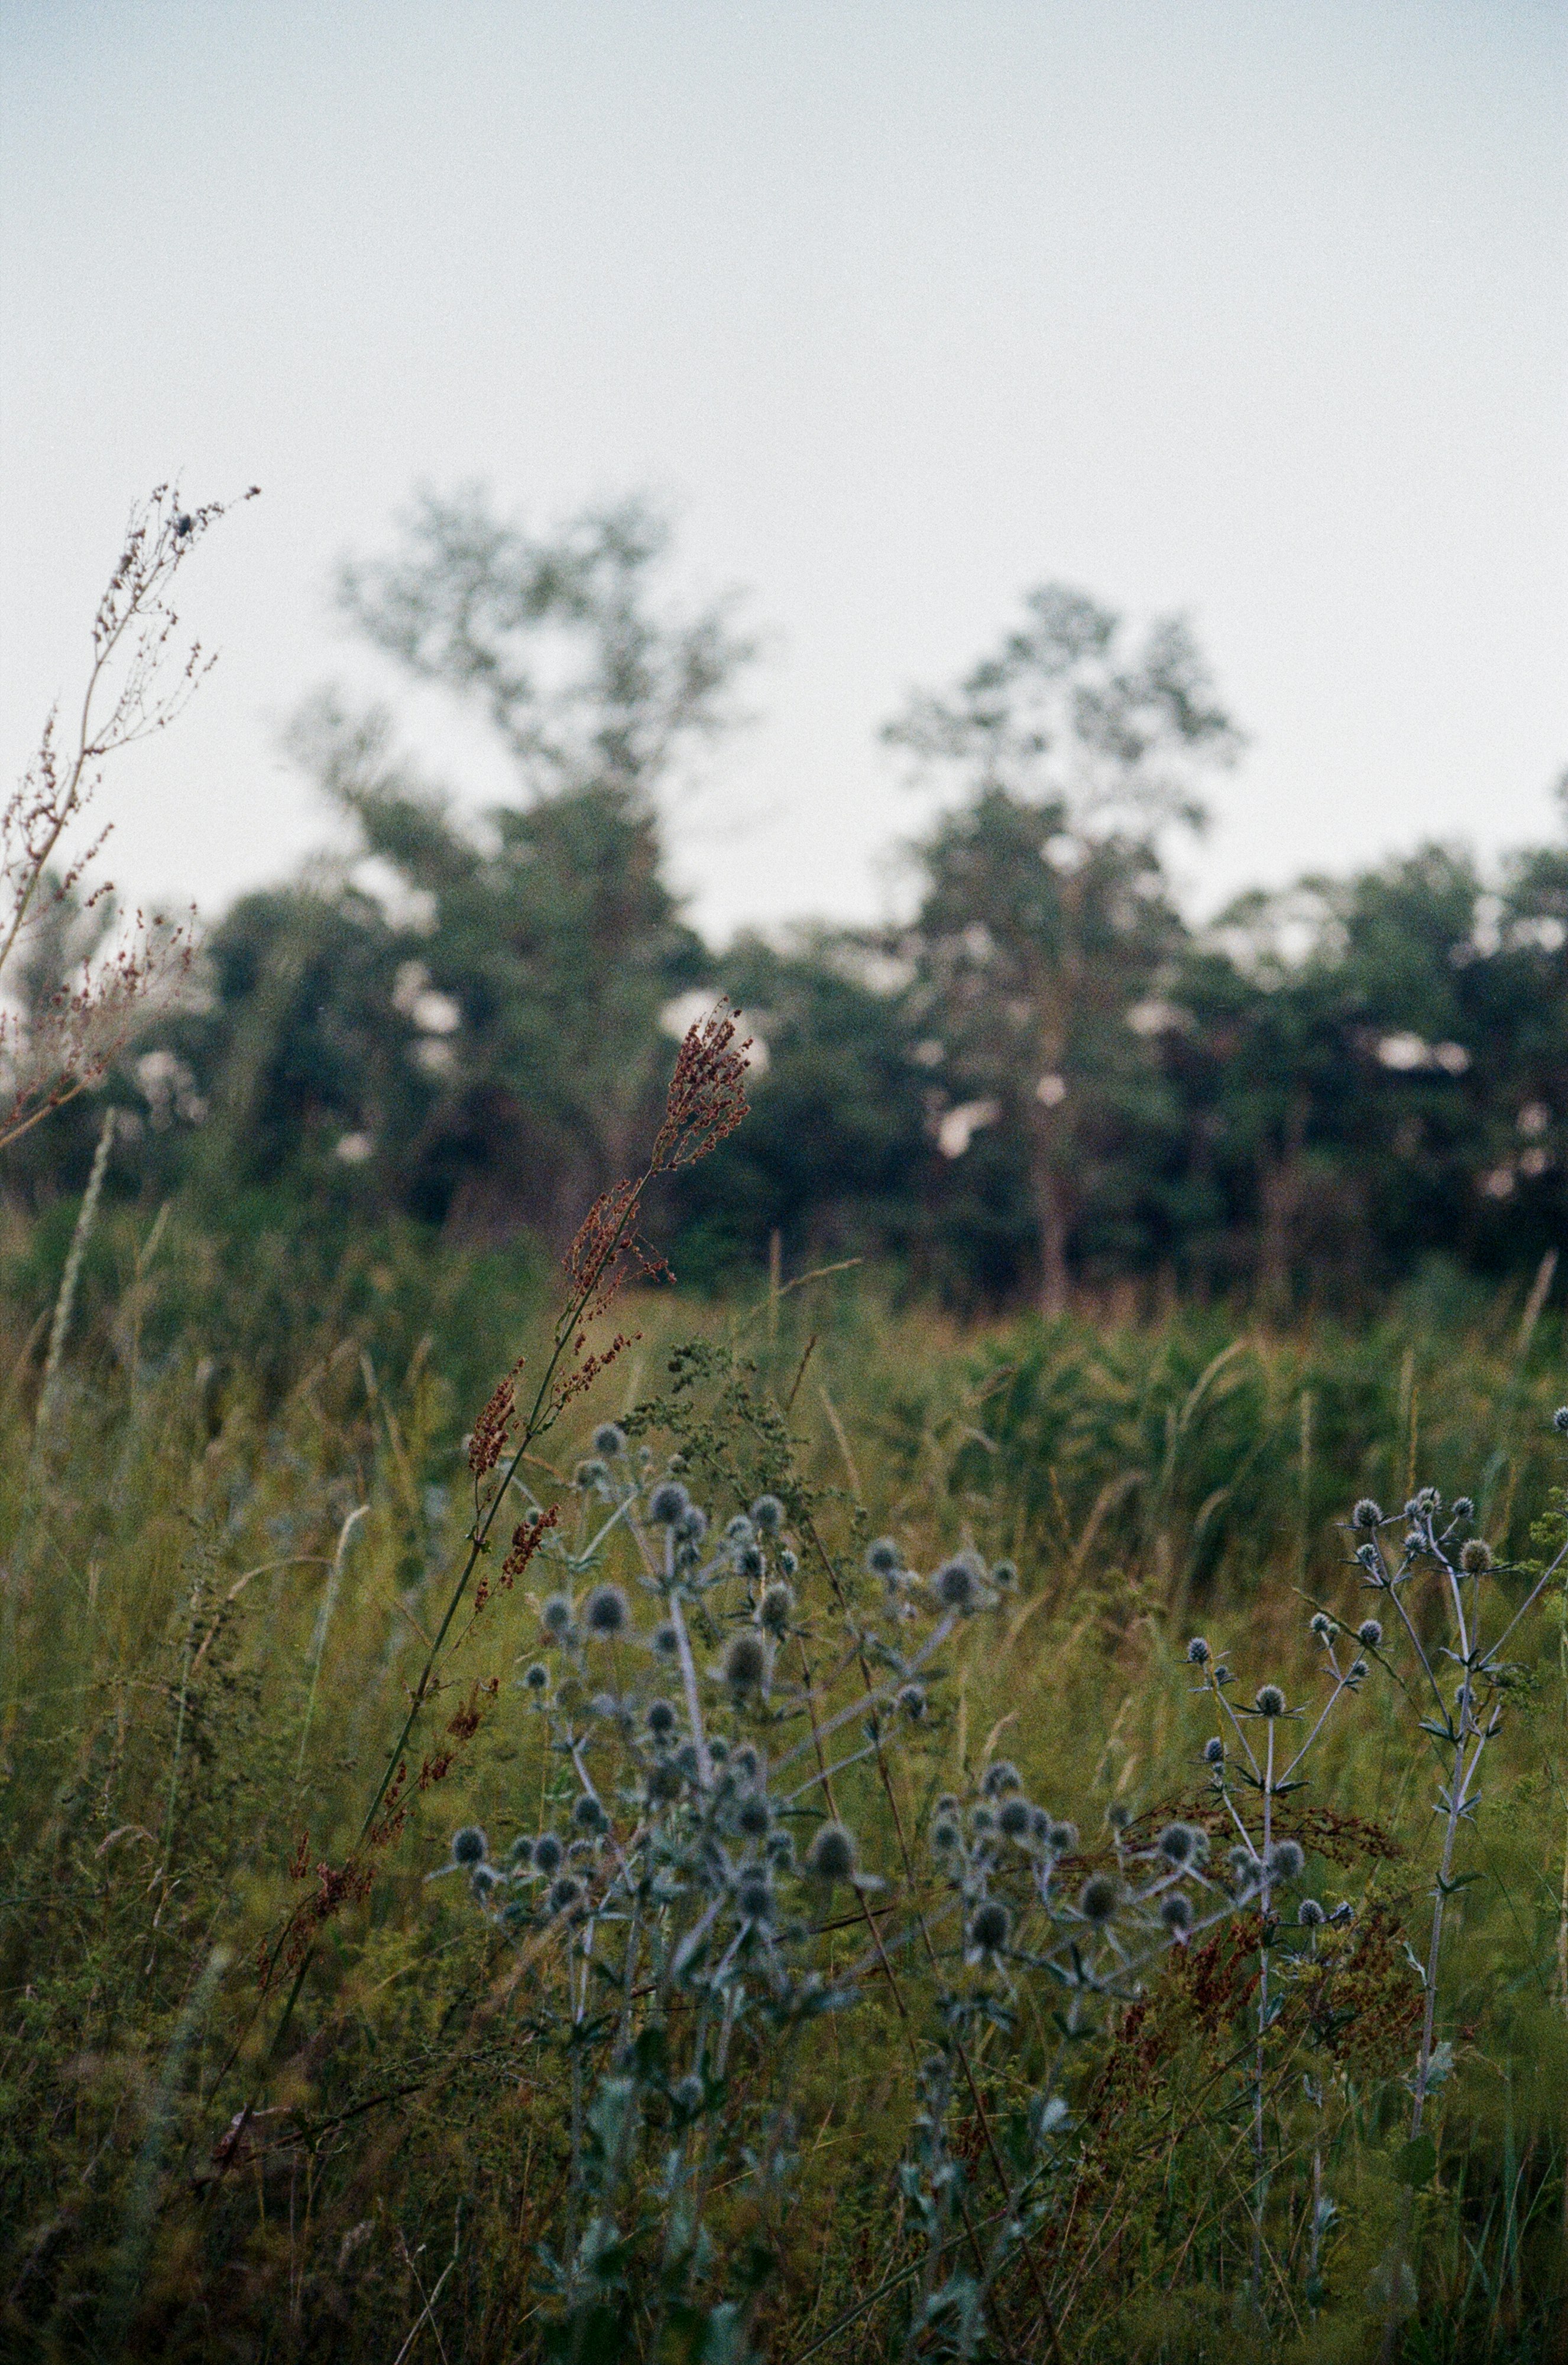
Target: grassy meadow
{"points": [[285, 2074]]}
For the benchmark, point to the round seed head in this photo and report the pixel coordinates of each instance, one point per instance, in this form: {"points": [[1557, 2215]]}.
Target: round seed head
{"points": [[1475, 1557], [591, 1472], [537, 1676], [469, 1846], [912, 1699], [831, 1855], [1001, 1778], [754, 1897], [1014, 1818], [740, 1530], [1197, 1652], [687, 2095], [985, 1821], [661, 1720], [744, 1762], [946, 1836], [1005, 1574], [787, 1560], [957, 1587], [1063, 1839], [745, 1660], [768, 1514], [1270, 1701], [781, 1850], [1310, 1915], [1179, 1843], [1356, 1670], [1118, 1816], [1176, 1912], [1040, 1827], [1214, 1751], [546, 1853], [754, 1817], [1367, 1514], [668, 1502], [1098, 1897], [664, 1641], [1323, 1627], [607, 1613], [557, 1615], [1463, 1507], [990, 1925], [1560, 1421], [587, 1815], [1285, 1860], [692, 1525], [1242, 1866], [1370, 1632], [609, 1439], [566, 1894], [750, 1561], [775, 1609], [883, 1558], [662, 1780]]}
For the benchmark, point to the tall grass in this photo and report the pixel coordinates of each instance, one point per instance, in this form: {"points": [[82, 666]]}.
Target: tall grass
{"points": [[222, 1587]]}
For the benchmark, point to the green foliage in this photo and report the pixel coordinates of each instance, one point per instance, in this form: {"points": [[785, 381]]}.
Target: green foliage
{"points": [[206, 1656]]}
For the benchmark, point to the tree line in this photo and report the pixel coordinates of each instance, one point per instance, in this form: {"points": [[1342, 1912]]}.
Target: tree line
{"points": [[1048, 1080]]}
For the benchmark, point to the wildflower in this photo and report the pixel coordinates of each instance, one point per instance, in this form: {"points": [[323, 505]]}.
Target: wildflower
{"points": [[591, 1472], [1182, 1842], [482, 1880], [754, 1817], [607, 1613], [1197, 1652], [1463, 1507], [1118, 1816], [775, 1608], [831, 1855], [1005, 1575], [749, 1561], [668, 1502], [1242, 1866], [1270, 1701], [1176, 1912], [781, 1850], [768, 1514], [1015, 1820], [1285, 1861], [1063, 1839], [556, 1616], [546, 1853], [1367, 1514], [999, 1779], [1040, 1827], [692, 1525], [661, 1720], [985, 1821], [754, 1897], [1355, 1673], [687, 1763], [883, 1558], [537, 1676], [744, 1764], [745, 1661], [663, 1782], [1098, 1897], [588, 1814], [609, 1439], [665, 1642], [1370, 1632], [740, 1530], [1323, 1627], [1214, 1751], [990, 1925], [946, 1836], [912, 1699], [957, 1587], [1310, 1915], [1475, 1557], [1560, 1421], [469, 1846], [787, 1560]]}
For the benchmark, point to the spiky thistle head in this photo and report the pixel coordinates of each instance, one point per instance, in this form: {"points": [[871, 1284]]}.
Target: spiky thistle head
{"points": [[1475, 1556], [1268, 1701], [768, 1514], [609, 1440], [1322, 1626], [607, 1613], [1370, 1632], [883, 1557], [557, 1615], [832, 1854], [1367, 1514], [745, 1660], [991, 1927], [1176, 1912], [668, 1503], [1197, 1652], [1214, 1751], [957, 1586], [536, 1679], [1560, 1421], [1285, 1860], [1182, 1842], [1015, 1819], [1001, 1776], [1098, 1897], [469, 1845], [1310, 1915]]}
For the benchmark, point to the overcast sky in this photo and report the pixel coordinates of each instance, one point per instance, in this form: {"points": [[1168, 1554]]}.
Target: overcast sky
{"points": [[1255, 311]]}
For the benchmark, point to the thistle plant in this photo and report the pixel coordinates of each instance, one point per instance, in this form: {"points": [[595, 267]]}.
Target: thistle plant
{"points": [[1440, 1578], [1255, 1761]]}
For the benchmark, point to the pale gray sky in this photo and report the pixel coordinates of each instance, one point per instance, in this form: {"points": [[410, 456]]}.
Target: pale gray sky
{"points": [[1253, 309]]}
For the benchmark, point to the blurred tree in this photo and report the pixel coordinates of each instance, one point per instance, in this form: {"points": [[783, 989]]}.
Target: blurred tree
{"points": [[521, 966], [1046, 924]]}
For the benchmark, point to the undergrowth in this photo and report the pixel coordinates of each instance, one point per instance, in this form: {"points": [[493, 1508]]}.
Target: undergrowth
{"points": [[898, 1844]]}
